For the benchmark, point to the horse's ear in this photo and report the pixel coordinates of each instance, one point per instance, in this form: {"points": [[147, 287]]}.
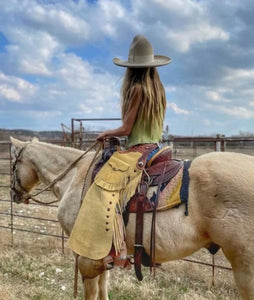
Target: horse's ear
{"points": [[35, 139], [17, 145]]}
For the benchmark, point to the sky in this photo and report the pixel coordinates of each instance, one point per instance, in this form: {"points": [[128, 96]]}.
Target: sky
{"points": [[56, 62]]}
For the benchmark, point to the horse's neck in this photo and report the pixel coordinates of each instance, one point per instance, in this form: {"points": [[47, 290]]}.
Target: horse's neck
{"points": [[50, 160]]}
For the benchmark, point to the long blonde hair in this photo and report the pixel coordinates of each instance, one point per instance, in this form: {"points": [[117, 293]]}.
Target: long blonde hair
{"points": [[153, 104]]}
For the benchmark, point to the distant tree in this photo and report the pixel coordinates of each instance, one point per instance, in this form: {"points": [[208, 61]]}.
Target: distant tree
{"points": [[245, 134]]}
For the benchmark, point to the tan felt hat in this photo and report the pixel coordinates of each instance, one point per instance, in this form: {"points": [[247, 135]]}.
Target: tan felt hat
{"points": [[141, 55]]}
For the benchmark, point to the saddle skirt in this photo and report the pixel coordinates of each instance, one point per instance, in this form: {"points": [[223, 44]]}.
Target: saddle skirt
{"points": [[169, 189]]}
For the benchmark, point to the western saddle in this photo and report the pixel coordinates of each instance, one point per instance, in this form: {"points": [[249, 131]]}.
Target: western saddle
{"points": [[158, 171]]}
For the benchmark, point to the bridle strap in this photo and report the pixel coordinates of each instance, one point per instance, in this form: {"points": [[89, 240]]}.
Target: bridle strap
{"points": [[28, 196], [66, 171], [14, 174], [63, 174]]}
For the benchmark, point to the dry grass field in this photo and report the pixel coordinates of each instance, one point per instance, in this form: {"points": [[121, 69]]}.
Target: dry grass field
{"points": [[33, 267]]}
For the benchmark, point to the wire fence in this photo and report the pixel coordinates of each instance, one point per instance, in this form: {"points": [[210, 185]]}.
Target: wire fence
{"points": [[31, 219]]}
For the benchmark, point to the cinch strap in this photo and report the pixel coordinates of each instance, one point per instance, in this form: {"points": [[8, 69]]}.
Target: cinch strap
{"points": [[184, 192]]}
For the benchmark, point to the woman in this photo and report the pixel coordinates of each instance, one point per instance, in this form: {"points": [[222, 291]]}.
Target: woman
{"points": [[143, 111], [142, 94]]}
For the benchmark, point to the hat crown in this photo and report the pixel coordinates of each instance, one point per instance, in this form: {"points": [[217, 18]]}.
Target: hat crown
{"points": [[141, 51]]}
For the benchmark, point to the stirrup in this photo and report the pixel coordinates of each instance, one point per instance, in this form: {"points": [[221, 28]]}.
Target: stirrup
{"points": [[114, 261], [120, 261]]}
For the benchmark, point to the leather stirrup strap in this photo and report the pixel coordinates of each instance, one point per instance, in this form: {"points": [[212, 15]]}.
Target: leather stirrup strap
{"points": [[138, 247], [152, 238]]}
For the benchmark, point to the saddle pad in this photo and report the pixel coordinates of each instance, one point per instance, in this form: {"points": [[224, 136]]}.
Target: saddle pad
{"points": [[169, 197]]}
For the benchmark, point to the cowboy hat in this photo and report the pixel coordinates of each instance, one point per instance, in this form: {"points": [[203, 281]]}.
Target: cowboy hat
{"points": [[141, 55]]}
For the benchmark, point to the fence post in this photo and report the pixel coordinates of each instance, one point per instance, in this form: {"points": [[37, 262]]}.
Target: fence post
{"points": [[223, 143], [72, 132], [218, 143], [11, 178]]}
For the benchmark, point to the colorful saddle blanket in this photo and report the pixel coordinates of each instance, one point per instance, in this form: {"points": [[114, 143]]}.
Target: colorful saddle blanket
{"points": [[173, 189]]}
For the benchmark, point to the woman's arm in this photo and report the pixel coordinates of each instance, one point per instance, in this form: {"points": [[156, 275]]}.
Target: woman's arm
{"points": [[128, 120]]}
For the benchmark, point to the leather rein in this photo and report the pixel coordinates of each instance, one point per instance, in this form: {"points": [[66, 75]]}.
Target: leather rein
{"points": [[26, 196]]}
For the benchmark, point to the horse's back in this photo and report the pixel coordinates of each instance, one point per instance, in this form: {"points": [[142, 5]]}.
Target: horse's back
{"points": [[223, 192], [236, 159], [224, 168], [221, 186]]}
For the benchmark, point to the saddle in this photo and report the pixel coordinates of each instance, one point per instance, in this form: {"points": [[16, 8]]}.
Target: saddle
{"points": [[159, 170], [158, 174]]}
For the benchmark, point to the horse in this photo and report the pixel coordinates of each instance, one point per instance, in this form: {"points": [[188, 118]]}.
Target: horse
{"points": [[220, 208]]}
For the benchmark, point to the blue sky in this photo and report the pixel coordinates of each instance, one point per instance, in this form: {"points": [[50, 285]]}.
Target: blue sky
{"points": [[56, 61]]}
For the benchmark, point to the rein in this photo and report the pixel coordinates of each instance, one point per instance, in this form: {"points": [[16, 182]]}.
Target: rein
{"points": [[26, 196]]}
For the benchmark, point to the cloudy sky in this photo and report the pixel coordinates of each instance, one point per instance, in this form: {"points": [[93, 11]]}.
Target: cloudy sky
{"points": [[56, 61]]}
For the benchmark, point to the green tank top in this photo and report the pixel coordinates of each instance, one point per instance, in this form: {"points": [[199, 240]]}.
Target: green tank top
{"points": [[146, 135]]}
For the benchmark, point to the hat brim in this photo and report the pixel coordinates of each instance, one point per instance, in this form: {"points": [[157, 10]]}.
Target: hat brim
{"points": [[159, 60]]}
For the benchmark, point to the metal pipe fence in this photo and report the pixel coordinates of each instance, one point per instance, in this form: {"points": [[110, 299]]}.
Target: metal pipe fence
{"points": [[10, 207]]}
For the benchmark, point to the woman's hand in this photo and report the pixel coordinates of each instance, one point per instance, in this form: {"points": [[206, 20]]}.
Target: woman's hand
{"points": [[101, 137]]}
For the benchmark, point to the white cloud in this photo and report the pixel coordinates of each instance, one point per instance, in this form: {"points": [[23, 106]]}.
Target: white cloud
{"points": [[15, 89], [180, 7], [74, 71], [239, 74], [58, 22], [10, 93], [217, 96], [177, 109], [184, 38], [111, 12], [42, 114], [82, 75], [32, 52], [37, 33], [170, 89], [237, 111], [90, 109], [182, 23]]}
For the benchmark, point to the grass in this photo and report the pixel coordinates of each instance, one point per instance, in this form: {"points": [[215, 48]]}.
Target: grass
{"points": [[37, 270]]}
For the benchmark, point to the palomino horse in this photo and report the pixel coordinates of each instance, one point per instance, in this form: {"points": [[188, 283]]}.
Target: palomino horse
{"points": [[221, 208]]}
